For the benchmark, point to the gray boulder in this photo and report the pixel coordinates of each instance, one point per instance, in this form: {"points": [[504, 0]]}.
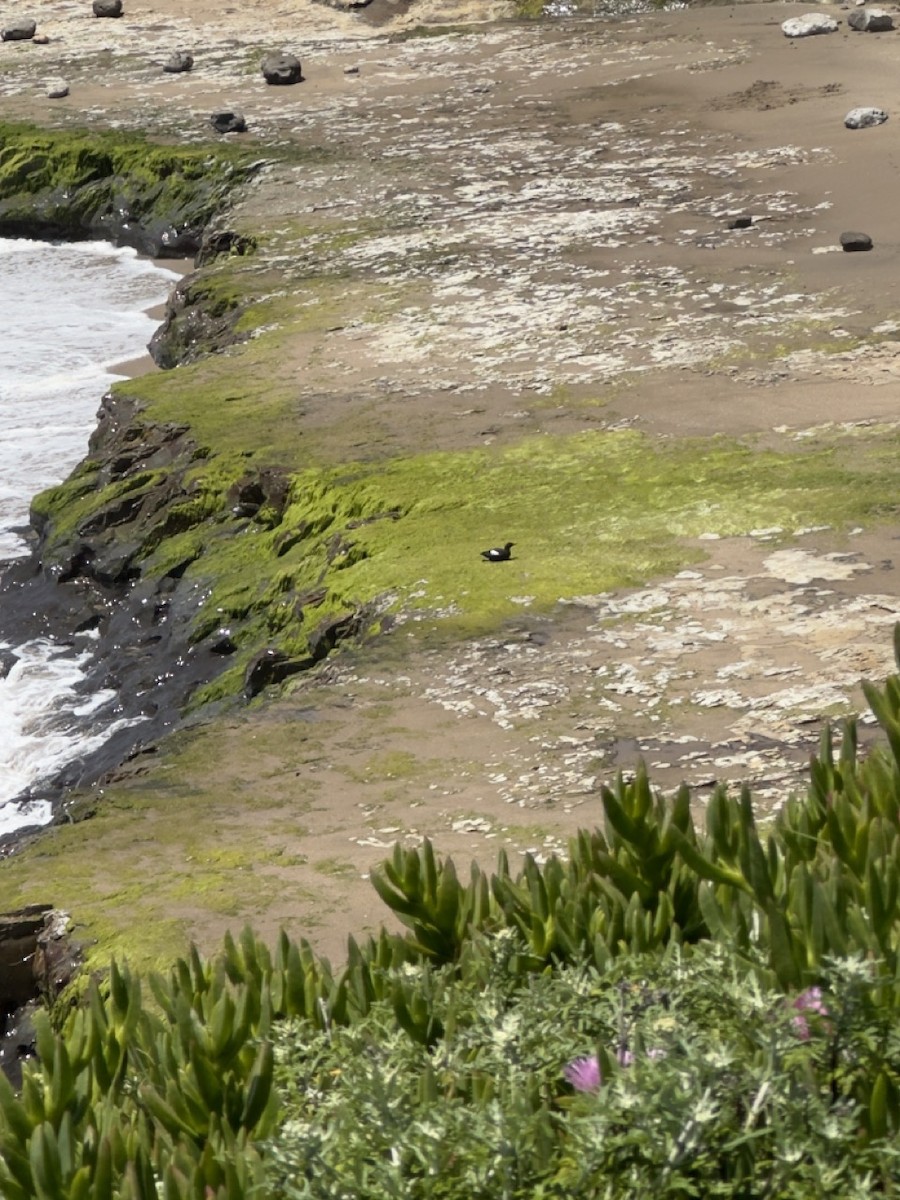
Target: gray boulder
{"points": [[870, 20], [178, 62], [57, 89], [228, 120], [855, 241], [281, 69], [21, 30], [809, 25], [865, 118], [107, 8]]}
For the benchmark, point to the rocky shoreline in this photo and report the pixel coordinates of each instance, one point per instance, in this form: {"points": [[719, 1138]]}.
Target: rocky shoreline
{"points": [[87, 583], [576, 285]]}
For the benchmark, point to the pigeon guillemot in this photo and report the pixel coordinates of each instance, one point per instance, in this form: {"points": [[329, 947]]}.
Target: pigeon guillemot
{"points": [[499, 553]]}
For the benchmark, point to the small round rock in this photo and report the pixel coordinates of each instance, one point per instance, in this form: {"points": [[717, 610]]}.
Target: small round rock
{"points": [[228, 120], [852, 241], [57, 89], [281, 69], [178, 62], [865, 118], [107, 8]]}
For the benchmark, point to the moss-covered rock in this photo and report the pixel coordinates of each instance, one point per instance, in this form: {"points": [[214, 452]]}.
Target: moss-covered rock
{"points": [[119, 187]]}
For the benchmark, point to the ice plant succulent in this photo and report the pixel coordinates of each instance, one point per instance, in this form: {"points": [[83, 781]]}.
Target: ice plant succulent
{"points": [[584, 1074]]}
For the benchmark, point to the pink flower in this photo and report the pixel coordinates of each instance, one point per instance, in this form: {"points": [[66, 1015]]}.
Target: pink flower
{"points": [[584, 1074], [809, 1001]]}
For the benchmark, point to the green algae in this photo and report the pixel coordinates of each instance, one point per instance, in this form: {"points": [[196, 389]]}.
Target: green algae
{"points": [[588, 513], [72, 182], [393, 764], [335, 867], [530, 10]]}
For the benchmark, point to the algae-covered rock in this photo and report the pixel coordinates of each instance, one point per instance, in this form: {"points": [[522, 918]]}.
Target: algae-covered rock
{"points": [[157, 199], [200, 319]]}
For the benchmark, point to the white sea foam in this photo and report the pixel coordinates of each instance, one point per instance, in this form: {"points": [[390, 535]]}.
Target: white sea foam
{"points": [[68, 313]]}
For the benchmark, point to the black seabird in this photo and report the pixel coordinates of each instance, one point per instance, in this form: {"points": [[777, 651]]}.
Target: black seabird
{"points": [[499, 553]]}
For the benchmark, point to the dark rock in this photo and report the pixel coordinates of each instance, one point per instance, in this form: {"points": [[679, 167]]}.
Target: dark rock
{"points": [[192, 327], [313, 598], [740, 223], [224, 241], [228, 121], [18, 946], [856, 241], [268, 489], [178, 62], [122, 210], [272, 667], [870, 20], [222, 643], [107, 8], [7, 661], [57, 90], [268, 668], [326, 636], [21, 30], [281, 69], [146, 637], [17, 1041], [37, 961]]}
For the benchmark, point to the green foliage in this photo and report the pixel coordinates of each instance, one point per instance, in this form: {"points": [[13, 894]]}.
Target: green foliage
{"points": [[736, 989], [428, 897], [708, 1089], [126, 1096]]}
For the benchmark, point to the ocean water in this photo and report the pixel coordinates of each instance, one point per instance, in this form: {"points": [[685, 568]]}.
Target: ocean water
{"points": [[69, 313]]}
